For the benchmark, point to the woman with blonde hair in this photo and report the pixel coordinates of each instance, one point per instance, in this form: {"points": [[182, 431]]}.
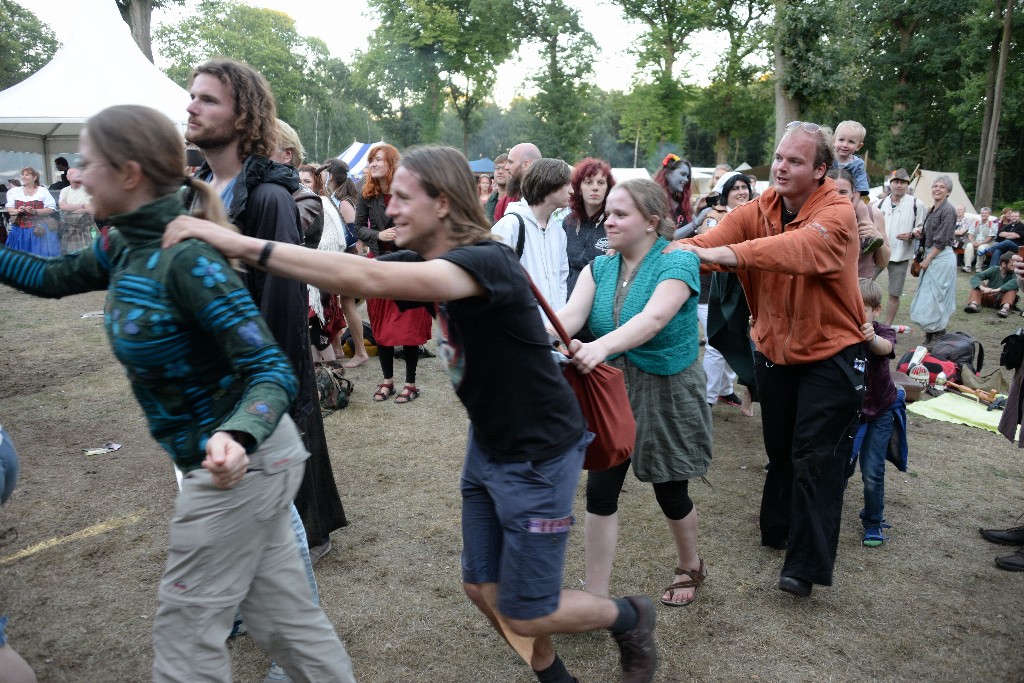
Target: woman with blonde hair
{"points": [[215, 389], [29, 206], [641, 306], [391, 326]]}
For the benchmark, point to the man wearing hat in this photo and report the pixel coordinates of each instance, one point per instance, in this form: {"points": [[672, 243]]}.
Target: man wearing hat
{"points": [[903, 213]]}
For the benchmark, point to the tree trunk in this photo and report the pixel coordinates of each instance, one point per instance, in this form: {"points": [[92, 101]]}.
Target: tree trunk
{"points": [[787, 107], [721, 147], [138, 14], [899, 107], [990, 89], [986, 180]]}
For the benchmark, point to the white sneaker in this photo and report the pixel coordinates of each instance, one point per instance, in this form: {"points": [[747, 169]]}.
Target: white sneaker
{"points": [[276, 675]]}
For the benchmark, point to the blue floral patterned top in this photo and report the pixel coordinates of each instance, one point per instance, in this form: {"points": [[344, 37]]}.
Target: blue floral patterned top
{"points": [[198, 355]]}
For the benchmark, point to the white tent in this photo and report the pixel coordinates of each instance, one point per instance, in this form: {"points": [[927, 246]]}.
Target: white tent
{"points": [[621, 174], [99, 66]]}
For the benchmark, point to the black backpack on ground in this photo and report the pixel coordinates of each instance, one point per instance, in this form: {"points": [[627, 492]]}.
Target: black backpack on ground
{"points": [[1012, 356], [959, 347]]}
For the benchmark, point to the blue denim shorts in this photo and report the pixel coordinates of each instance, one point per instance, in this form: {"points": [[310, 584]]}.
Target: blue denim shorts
{"points": [[3, 630], [516, 518]]}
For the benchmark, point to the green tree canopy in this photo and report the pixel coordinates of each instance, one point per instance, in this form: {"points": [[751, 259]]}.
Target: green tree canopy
{"points": [[263, 38], [426, 50], [26, 44], [562, 103]]}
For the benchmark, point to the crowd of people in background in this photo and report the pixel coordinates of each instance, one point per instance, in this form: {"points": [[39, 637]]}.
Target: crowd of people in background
{"points": [[778, 287]]}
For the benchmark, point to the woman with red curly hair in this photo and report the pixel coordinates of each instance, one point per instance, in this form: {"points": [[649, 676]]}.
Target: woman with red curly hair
{"points": [[584, 226], [674, 176], [391, 327]]}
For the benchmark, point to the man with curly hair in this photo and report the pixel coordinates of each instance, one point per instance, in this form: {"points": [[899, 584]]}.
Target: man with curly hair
{"points": [[233, 120]]}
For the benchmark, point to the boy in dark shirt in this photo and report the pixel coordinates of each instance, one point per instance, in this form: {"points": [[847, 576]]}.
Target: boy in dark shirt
{"points": [[879, 413]]}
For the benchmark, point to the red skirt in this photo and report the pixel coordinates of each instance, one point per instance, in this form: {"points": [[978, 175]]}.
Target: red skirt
{"points": [[392, 327]]}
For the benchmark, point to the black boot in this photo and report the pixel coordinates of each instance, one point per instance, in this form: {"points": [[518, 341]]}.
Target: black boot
{"points": [[1013, 536], [1012, 563]]}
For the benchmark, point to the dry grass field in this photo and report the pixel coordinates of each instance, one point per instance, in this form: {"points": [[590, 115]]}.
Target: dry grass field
{"points": [[84, 540]]}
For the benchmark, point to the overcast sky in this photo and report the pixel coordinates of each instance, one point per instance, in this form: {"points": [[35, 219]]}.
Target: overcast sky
{"points": [[344, 27]]}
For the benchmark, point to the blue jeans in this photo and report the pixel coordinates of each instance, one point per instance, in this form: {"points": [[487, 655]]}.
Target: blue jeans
{"points": [[872, 468], [300, 539], [997, 248], [8, 466]]}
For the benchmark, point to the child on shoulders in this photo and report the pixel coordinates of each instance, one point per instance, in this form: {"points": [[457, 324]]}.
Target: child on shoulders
{"points": [[848, 141]]}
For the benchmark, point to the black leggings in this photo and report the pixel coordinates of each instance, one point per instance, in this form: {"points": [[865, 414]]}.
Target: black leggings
{"points": [[411, 353], [603, 493]]}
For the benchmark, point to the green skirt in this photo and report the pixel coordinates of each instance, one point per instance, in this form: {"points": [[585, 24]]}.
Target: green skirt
{"points": [[673, 422]]}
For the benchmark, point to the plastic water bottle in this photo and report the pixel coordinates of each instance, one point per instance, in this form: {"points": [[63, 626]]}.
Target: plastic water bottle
{"points": [[903, 329], [940, 381]]}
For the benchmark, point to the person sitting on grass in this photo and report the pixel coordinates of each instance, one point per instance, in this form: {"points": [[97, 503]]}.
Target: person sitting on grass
{"points": [[882, 410], [999, 290]]}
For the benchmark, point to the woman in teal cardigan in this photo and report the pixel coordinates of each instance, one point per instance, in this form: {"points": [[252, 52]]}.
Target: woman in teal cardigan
{"points": [[641, 305], [215, 389]]}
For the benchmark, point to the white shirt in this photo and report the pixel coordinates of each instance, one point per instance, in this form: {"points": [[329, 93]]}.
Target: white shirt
{"points": [[544, 256], [901, 219], [72, 195], [42, 194]]}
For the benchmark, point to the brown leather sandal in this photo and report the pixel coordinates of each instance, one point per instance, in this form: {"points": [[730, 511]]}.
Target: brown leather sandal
{"points": [[697, 578]]}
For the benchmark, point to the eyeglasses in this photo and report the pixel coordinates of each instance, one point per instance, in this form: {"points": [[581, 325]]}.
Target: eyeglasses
{"points": [[85, 165], [806, 126]]}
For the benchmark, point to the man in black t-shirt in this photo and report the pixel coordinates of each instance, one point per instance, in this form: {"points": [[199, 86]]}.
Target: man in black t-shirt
{"points": [[522, 463]]}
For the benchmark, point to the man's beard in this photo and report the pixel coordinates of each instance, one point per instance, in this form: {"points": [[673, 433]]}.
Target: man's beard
{"points": [[211, 138], [514, 186]]}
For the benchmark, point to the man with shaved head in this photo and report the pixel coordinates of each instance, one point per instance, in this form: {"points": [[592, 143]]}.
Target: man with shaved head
{"points": [[519, 160]]}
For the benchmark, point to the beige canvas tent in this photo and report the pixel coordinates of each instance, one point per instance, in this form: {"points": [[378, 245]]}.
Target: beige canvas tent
{"points": [[921, 186]]}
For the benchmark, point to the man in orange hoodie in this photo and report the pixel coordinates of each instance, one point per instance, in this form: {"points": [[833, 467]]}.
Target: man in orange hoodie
{"points": [[795, 250]]}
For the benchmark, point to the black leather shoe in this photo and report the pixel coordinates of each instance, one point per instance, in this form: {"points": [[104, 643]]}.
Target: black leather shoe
{"points": [[796, 586], [775, 545], [1012, 563], [1014, 536]]}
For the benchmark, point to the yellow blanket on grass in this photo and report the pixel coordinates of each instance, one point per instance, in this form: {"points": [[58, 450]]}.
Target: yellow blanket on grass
{"points": [[959, 410]]}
